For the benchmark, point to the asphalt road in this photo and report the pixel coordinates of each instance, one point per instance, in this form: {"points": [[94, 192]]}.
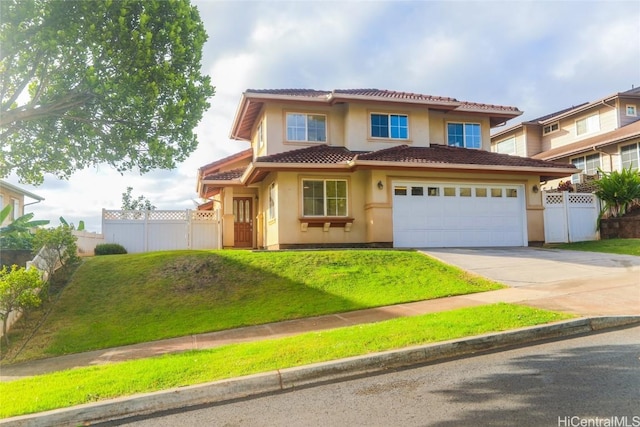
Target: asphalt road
{"points": [[566, 383]]}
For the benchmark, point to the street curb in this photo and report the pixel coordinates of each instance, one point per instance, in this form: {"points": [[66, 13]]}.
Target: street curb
{"points": [[291, 378]]}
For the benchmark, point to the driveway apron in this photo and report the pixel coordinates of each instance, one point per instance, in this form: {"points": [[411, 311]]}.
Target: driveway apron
{"points": [[584, 283]]}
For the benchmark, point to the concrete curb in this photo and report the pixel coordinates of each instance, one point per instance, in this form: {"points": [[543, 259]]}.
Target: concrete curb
{"points": [[291, 378]]}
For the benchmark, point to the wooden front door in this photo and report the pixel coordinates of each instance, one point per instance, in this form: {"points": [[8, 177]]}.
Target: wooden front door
{"points": [[242, 222]]}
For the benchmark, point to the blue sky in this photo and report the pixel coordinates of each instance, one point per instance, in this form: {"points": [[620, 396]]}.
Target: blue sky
{"points": [[539, 56]]}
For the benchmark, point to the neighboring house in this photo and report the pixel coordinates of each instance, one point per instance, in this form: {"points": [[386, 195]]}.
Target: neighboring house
{"points": [[373, 168], [603, 134], [14, 196]]}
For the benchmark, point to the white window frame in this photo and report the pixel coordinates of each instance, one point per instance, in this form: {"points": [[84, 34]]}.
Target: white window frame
{"points": [[260, 136], [325, 197], [464, 134], [510, 143], [551, 128], [631, 110], [390, 127], [306, 127], [271, 211], [591, 124], [575, 178], [636, 148], [15, 209]]}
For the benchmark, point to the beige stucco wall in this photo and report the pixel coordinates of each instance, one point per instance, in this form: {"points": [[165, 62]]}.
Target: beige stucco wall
{"points": [[370, 206], [348, 126], [566, 134], [8, 197], [438, 127]]}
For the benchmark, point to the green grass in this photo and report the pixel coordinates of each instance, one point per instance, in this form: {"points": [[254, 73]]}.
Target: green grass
{"points": [[125, 299], [613, 246], [84, 385]]}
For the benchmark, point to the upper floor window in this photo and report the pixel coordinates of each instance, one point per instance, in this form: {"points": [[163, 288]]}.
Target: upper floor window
{"points": [[394, 126], [631, 110], [15, 211], [324, 197], [260, 136], [588, 125], [588, 164], [466, 135], [550, 128], [630, 156], [508, 146], [306, 127]]}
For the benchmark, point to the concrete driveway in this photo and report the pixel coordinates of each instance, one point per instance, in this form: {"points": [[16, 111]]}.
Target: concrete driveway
{"points": [[584, 283]]}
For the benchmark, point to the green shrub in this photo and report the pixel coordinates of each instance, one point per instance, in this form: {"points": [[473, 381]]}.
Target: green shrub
{"points": [[109, 249]]}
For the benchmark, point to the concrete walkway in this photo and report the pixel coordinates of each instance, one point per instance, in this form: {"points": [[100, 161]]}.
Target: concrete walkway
{"points": [[583, 283]]}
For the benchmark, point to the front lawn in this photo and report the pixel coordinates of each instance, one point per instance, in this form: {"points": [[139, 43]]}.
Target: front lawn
{"points": [[613, 246], [125, 299], [84, 385]]}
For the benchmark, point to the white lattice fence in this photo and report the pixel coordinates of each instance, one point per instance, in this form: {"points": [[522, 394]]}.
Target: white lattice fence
{"points": [[155, 230], [570, 217]]}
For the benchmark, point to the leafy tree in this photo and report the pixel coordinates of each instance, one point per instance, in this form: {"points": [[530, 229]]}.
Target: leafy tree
{"points": [[89, 82], [18, 235], [618, 190], [18, 291], [139, 204]]}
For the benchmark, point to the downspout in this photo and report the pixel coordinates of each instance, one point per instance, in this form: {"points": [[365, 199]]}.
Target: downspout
{"points": [[603, 102]]}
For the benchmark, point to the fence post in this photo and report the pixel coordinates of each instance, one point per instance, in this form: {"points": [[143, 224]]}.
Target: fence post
{"points": [[189, 230]]}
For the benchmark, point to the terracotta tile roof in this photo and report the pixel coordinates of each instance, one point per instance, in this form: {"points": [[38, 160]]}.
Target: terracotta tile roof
{"points": [[442, 154], [226, 175], [377, 93], [617, 136], [321, 154], [218, 164], [311, 93]]}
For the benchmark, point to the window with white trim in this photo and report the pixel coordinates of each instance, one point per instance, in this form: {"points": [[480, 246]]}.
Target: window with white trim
{"points": [[15, 211], [306, 127], [630, 156], [271, 213], [588, 164], [508, 146], [631, 110], [588, 124], [260, 136], [324, 197], [552, 127], [467, 135], [393, 126]]}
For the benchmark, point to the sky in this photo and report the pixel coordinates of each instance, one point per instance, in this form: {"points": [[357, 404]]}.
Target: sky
{"points": [[539, 56]]}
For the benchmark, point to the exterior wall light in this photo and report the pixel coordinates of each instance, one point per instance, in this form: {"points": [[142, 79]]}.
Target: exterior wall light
{"points": [[535, 189], [380, 186]]}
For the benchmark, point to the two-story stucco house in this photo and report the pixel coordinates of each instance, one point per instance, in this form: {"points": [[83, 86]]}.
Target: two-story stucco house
{"points": [[373, 168], [13, 195], [603, 134]]}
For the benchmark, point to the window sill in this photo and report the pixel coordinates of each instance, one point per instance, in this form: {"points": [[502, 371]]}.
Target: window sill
{"points": [[325, 222]]}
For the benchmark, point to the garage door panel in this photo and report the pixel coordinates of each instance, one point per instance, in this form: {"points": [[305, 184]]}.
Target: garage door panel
{"points": [[460, 215]]}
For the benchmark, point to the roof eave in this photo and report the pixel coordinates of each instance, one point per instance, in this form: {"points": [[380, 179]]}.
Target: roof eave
{"points": [[521, 170]]}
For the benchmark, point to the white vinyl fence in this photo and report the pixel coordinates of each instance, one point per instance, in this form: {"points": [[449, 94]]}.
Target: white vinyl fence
{"points": [[87, 241], [570, 217], [156, 230]]}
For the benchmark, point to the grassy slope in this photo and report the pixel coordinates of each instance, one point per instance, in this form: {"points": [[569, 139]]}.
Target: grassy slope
{"points": [[126, 299], [83, 385]]}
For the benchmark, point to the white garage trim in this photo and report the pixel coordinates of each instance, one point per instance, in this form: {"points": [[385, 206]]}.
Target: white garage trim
{"points": [[438, 214]]}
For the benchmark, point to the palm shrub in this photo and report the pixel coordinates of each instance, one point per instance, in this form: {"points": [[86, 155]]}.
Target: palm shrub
{"points": [[618, 190]]}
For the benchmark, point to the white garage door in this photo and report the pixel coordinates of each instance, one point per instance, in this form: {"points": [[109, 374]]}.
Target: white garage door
{"points": [[458, 215]]}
